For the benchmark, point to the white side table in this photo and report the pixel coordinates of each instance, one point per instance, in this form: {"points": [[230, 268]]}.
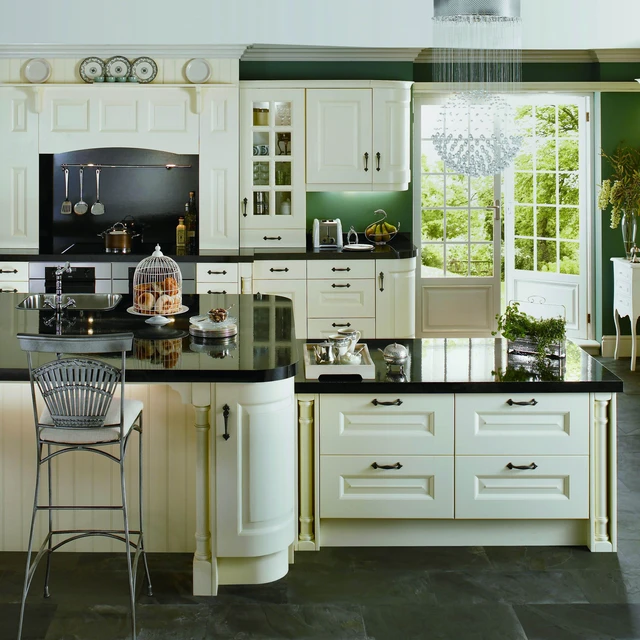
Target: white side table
{"points": [[626, 300]]}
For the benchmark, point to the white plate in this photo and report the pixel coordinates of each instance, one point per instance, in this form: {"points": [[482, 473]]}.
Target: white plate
{"points": [[37, 70], [357, 247], [197, 70], [91, 68], [133, 312], [118, 67], [144, 69]]}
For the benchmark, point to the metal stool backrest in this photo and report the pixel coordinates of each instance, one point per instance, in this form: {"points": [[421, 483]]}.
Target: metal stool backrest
{"points": [[77, 390]]}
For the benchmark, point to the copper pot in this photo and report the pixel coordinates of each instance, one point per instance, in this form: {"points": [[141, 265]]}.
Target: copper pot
{"points": [[117, 239]]}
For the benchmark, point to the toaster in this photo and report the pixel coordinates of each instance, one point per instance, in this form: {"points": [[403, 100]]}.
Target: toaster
{"points": [[327, 234]]}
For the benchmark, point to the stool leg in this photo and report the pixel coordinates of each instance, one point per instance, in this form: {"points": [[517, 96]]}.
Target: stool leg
{"points": [[50, 514], [125, 516], [141, 511]]}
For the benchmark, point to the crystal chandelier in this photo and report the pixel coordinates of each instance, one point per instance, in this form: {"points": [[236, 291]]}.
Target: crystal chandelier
{"points": [[477, 46]]}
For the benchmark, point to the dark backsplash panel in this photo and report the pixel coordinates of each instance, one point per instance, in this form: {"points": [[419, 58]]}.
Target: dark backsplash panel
{"points": [[154, 197]]}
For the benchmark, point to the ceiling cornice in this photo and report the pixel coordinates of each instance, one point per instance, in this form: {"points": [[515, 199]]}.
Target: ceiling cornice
{"points": [[617, 55], [533, 55], [295, 53], [129, 50]]}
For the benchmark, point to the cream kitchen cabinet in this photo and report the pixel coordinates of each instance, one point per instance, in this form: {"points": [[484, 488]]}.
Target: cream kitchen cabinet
{"points": [[395, 298], [217, 277], [358, 138], [19, 169], [14, 277], [272, 167]]}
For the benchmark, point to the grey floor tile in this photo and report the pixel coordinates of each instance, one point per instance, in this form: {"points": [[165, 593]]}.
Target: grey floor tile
{"points": [[277, 621], [37, 619], [419, 622], [580, 622], [548, 559]]}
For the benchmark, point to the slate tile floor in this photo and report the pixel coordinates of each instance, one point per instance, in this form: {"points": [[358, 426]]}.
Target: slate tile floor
{"points": [[474, 593]]}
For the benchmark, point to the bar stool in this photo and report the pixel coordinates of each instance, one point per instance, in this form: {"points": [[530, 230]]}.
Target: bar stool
{"points": [[79, 415]]}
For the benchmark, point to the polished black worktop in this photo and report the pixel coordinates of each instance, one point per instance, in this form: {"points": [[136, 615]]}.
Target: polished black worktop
{"points": [[264, 348], [468, 365]]}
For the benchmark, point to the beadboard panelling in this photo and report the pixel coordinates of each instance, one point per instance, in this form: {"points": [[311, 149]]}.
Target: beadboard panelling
{"points": [[83, 478]]}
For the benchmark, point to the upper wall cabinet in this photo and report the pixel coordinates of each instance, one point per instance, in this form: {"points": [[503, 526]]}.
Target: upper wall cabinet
{"points": [[18, 169], [89, 117], [358, 139]]}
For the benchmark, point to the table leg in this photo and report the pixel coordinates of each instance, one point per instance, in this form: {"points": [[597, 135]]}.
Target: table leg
{"points": [[616, 321]]}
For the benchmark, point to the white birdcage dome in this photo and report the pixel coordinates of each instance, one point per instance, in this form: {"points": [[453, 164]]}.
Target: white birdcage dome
{"points": [[157, 285]]}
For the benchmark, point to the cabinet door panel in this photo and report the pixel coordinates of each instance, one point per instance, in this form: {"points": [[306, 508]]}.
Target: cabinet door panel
{"points": [[395, 298], [339, 297], [296, 291]]}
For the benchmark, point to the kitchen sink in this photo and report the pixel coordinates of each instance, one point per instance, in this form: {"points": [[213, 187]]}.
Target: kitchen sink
{"points": [[84, 301]]}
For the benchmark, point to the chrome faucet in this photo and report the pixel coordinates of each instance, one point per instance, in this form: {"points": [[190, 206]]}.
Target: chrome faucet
{"points": [[58, 306]]}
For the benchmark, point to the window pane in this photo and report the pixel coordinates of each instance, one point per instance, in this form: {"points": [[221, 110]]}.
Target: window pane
{"points": [[524, 159], [546, 156], [432, 192], [431, 162], [433, 224], [546, 222], [568, 155], [568, 188], [457, 190], [458, 259], [432, 261], [545, 122], [570, 258], [524, 254], [524, 221], [429, 120], [481, 223], [546, 259], [457, 224], [568, 120], [524, 118], [523, 188], [569, 224], [481, 260], [482, 191], [546, 188]]}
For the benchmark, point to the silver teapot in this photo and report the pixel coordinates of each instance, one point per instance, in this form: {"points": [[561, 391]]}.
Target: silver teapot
{"points": [[395, 353], [325, 353]]}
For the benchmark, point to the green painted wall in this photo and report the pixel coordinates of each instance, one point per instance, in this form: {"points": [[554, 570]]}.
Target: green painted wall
{"points": [[326, 70]]}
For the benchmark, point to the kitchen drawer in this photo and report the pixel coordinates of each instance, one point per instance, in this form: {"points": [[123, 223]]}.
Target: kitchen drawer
{"points": [[558, 424], [273, 238], [280, 270], [217, 272], [622, 269], [10, 286], [487, 488], [14, 271], [323, 327], [359, 424], [341, 298], [623, 287], [330, 269], [217, 287], [421, 488]]}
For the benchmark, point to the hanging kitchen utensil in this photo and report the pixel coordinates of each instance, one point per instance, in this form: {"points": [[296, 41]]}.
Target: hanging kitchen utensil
{"points": [[98, 208], [81, 207], [67, 207]]}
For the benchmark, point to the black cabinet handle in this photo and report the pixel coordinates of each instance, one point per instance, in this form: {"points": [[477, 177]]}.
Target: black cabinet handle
{"points": [[334, 269], [340, 324], [285, 270], [8, 291], [340, 286], [366, 161], [8, 271], [223, 292], [217, 273], [381, 280], [523, 467], [529, 403], [378, 161], [397, 465], [393, 403], [225, 415], [244, 207], [272, 238]]}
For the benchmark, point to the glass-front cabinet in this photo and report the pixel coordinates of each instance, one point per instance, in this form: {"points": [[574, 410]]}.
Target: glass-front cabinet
{"points": [[272, 169]]}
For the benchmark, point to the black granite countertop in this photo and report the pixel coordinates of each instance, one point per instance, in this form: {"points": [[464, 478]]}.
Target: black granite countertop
{"points": [[468, 365]]}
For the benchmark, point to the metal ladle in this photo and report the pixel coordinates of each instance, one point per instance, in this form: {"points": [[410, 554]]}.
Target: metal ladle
{"points": [[81, 207]]}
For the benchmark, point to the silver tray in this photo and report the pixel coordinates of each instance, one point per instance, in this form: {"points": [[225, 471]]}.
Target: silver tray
{"points": [[366, 368], [224, 331]]}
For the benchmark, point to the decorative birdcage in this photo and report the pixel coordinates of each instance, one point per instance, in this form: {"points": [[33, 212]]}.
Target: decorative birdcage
{"points": [[157, 288]]}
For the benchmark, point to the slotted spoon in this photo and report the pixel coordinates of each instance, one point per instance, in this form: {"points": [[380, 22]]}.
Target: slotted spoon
{"points": [[66, 205], [98, 208], [81, 207]]}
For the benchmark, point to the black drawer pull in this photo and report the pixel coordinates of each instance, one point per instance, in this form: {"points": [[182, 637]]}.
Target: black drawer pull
{"points": [[393, 403], [340, 324], [529, 403], [366, 161], [378, 161], [8, 271], [285, 270], [340, 269], [244, 207], [522, 467], [272, 238], [225, 415], [397, 465], [218, 292], [217, 273], [8, 291], [341, 286]]}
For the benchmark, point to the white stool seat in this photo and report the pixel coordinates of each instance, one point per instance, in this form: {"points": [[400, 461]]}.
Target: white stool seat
{"points": [[92, 435]]}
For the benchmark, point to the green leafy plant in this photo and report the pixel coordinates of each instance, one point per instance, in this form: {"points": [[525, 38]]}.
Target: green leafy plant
{"points": [[514, 324], [622, 189]]}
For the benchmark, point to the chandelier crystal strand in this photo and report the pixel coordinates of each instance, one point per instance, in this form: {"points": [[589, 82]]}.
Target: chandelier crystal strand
{"points": [[477, 47]]}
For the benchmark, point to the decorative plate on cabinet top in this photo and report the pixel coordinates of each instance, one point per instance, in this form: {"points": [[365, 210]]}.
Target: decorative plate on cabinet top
{"points": [[144, 69], [37, 70], [197, 71], [118, 67], [91, 68]]}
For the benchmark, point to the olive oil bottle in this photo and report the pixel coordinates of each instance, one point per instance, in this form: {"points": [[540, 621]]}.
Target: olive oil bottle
{"points": [[191, 222]]}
